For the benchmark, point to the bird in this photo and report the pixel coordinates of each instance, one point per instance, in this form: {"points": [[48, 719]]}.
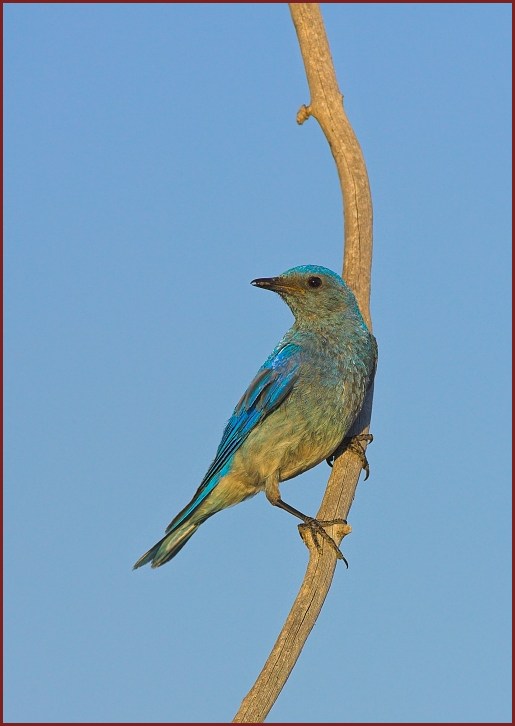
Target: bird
{"points": [[297, 410]]}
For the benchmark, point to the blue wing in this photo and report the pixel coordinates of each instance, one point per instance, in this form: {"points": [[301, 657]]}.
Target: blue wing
{"points": [[270, 387]]}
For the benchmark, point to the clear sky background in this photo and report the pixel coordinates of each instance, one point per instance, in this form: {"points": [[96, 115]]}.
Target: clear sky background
{"points": [[153, 167]]}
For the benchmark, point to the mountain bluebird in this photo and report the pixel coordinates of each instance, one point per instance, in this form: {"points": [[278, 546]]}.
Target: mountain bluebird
{"points": [[295, 413]]}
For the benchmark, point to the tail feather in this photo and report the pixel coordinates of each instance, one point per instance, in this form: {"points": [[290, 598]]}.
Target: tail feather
{"points": [[167, 547]]}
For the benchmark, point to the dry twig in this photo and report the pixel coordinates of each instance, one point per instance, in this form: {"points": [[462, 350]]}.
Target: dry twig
{"points": [[326, 106]]}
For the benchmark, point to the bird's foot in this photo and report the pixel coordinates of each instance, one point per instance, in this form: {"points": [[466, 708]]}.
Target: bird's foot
{"points": [[315, 529], [353, 443]]}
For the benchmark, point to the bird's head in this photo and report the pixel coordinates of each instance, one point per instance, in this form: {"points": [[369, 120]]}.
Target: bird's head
{"points": [[314, 294]]}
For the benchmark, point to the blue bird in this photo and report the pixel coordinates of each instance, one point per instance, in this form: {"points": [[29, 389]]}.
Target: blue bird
{"points": [[297, 410]]}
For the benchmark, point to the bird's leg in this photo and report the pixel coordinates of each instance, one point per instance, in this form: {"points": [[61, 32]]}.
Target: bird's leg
{"points": [[315, 526], [353, 443]]}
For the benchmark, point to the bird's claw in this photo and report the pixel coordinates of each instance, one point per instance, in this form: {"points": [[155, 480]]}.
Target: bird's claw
{"points": [[353, 443], [315, 527]]}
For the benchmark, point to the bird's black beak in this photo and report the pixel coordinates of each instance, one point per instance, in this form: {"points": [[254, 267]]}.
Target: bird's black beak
{"points": [[277, 284], [267, 282]]}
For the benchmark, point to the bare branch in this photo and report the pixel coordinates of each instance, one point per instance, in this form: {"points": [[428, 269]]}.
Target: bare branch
{"points": [[326, 105]]}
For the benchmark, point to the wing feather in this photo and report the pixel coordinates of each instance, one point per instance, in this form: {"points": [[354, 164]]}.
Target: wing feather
{"points": [[269, 388]]}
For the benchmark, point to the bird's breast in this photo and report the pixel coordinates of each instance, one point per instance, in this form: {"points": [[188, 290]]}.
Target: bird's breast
{"points": [[301, 433]]}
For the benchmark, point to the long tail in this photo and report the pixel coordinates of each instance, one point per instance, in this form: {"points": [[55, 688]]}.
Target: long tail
{"points": [[168, 547], [186, 523]]}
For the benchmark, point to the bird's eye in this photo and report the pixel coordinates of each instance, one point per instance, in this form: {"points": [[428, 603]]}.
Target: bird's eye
{"points": [[314, 282]]}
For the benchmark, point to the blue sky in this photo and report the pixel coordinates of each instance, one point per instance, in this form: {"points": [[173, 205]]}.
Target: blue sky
{"points": [[153, 167]]}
